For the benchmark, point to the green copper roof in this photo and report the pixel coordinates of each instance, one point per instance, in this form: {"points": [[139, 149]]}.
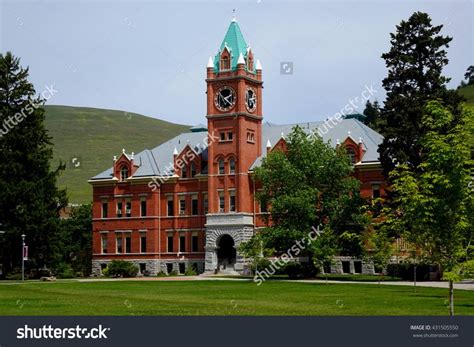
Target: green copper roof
{"points": [[235, 42]]}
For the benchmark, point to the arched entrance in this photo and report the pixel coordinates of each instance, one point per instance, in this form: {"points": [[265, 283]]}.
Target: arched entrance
{"points": [[226, 252]]}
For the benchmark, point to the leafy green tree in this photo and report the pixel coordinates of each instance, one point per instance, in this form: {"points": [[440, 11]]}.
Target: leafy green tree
{"points": [[372, 114], [309, 185], [415, 62], [75, 239], [255, 251], [324, 248], [29, 200], [378, 248], [435, 200]]}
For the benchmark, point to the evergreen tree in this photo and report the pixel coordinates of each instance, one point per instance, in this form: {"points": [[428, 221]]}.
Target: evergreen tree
{"points": [[469, 75], [415, 62], [75, 240], [29, 200], [372, 114]]}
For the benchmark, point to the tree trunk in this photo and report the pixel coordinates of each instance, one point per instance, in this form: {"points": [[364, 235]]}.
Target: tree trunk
{"points": [[451, 298], [414, 276]]}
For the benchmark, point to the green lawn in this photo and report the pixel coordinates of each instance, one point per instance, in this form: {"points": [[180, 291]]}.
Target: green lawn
{"points": [[224, 298]]}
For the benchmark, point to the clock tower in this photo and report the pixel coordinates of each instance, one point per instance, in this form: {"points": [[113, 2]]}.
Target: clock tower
{"points": [[234, 116]]}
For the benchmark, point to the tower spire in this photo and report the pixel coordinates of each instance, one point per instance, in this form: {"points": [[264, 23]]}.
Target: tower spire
{"points": [[233, 16]]}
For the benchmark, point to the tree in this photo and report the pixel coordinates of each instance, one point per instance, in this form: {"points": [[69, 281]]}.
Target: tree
{"points": [[29, 200], [309, 185], [323, 250], [378, 248], [435, 200], [255, 251], [372, 114], [415, 62], [469, 75], [75, 239]]}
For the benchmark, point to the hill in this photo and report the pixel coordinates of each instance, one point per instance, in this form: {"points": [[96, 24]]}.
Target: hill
{"points": [[468, 93], [93, 136]]}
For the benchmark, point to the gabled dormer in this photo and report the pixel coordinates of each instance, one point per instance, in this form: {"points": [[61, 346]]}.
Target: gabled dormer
{"points": [[281, 145], [355, 149], [187, 164], [124, 166], [225, 59]]}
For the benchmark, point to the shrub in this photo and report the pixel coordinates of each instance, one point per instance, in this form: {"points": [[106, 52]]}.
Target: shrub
{"points": [[161, 274], [190, 271], [14, 277], [262, 264], [405, 271], [296, 270], [173, 273], [121, 268], [64, 270]]}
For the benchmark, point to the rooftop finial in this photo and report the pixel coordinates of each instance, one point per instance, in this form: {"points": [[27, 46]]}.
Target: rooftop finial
{"points": [[210, 63], [233, 16]]}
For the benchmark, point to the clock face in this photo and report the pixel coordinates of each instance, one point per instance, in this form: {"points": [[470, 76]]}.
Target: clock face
{"points": [[251, 99], [225, 98]]}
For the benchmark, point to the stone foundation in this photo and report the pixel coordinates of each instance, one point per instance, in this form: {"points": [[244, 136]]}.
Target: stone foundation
{"points": [[337, 266], [152, 266]]}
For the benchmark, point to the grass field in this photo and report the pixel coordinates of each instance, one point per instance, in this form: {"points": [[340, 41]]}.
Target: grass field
{"points": [[94, 136], [224, 298]]}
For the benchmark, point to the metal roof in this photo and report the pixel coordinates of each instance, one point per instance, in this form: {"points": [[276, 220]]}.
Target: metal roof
{"points": [[235, 43], [159, 160]]}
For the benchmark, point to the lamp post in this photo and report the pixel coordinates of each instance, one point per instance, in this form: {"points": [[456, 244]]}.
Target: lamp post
{"points": [[23, 257]]}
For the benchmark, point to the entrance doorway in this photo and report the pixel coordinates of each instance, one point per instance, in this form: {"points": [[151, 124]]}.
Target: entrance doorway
{"points": [[226, 253]]}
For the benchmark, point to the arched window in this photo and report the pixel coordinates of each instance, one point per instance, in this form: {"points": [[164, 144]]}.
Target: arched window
{"points": [[123, 173], [232, 166], [184, 172], [193, 169], [352, 154], [221, 167]]}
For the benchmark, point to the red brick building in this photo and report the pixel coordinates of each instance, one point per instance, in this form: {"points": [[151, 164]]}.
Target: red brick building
{"points": [[190, 201]]}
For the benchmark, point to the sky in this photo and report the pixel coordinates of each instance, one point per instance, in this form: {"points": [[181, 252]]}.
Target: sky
{"points": [[150, 57]]}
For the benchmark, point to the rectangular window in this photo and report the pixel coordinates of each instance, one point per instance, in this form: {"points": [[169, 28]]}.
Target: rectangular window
{"points": [[105, 207], [375, 191], [128, 208], [221, 202], [119, 210], [194, 205], [221, 167], [128, 244], [206, 204], [170, 243], [119, 244], [232, 201], [195, 243], [222, 136], [182, 205], [170, 206], [104, 244], [263, 208], [184, 172], [182, 243], [230, 136], [143, 207], [143, 243]]}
